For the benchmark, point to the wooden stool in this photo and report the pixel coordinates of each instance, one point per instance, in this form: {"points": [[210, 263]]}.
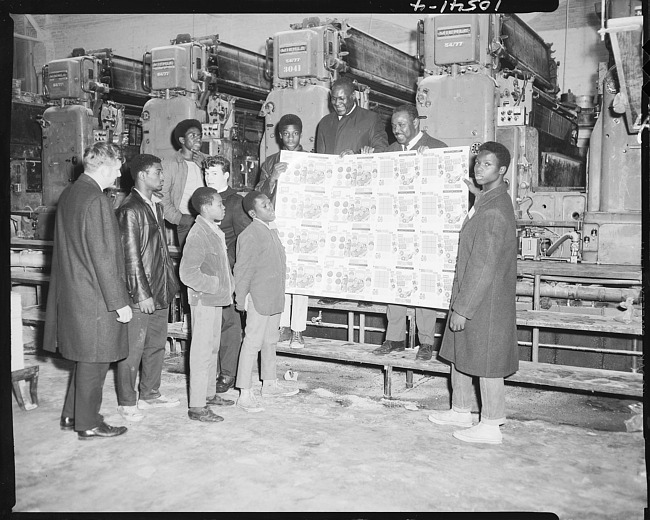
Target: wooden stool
{"points": [[26, 374]]}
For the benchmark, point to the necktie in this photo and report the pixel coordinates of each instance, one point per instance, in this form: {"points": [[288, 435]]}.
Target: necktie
{"points": [[404, 147]]}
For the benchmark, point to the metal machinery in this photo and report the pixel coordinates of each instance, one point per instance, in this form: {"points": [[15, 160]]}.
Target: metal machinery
{"points": [[93, 96], [309, 57], [612, 223], [490, 77], [221, 86]]}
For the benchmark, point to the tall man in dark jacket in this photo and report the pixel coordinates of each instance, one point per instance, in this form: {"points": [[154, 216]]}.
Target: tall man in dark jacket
{"points": [[88, 303], [349, 129], [152, 284], [405, 123]]}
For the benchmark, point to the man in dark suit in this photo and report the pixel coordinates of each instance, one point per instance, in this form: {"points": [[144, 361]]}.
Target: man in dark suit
{"points": [[405, 123], [349, 129], [88, 303]]}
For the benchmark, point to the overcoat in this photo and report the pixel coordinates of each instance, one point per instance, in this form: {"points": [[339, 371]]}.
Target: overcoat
{"points": [[352, 132], [484, 290], [88, 281]]}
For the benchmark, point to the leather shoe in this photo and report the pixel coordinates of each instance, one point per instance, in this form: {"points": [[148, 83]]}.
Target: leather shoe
{"points": [[217, 400], [225, 383], [67, 423], [425, 352], [204, 415], [389, 346], [103, 430]]}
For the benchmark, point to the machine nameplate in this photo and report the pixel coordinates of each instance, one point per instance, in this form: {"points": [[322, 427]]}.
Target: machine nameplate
{"points": [[451, 32], [293, 48]]}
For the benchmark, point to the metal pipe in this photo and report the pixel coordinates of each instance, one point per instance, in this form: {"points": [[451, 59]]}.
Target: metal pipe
{"points": [[598, 294], [586, 349]]}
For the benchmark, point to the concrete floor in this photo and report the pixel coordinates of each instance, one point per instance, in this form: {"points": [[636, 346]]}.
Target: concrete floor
{"points": [[337, 446]]}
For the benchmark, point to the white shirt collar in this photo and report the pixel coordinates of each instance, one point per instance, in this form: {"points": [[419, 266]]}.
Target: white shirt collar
{"points": [[414, 140], [144, 197], [351, 110]]}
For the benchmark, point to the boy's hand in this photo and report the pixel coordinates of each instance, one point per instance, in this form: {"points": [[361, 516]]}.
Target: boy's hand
{"points": [[422, 148], [456, 322], [473, 189], [346, 152], [147, 306], [278, 170], [367, 149]]}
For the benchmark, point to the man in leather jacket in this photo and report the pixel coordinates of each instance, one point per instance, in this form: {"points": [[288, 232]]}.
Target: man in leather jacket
{"points": [[151, 283]]}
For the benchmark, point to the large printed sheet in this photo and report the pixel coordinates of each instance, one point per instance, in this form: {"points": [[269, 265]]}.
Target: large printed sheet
{"points": [[378, 227]]}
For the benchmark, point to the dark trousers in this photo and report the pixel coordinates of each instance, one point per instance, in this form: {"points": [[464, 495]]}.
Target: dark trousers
{"points": [[230, 341], [182, 230], [84, 397], [147, 334]]}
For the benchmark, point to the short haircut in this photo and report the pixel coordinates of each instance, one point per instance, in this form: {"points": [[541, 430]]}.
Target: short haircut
{"points": [[181, 129], [410, 110], [249, 200], [203, 196], [345, 83], [501, 152], [98, 154], [217, 160], [288, 120], [141, 163]]}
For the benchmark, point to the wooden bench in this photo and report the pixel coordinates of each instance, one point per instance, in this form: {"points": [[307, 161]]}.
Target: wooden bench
{"points": [[530, 372], [544, 374]]}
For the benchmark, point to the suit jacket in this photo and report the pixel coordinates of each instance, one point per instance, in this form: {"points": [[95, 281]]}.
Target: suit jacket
{"points": [[484, 290], [261, 269], [235, 221], [149, 268], [425, 140], [88, 281], [360, 128], [204, 266]]}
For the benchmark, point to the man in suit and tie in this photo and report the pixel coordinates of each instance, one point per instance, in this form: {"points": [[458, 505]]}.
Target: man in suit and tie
{"points": [[405, 123]]}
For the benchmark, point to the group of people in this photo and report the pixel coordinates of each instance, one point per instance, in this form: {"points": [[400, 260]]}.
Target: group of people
{"points": [[233, 262]]}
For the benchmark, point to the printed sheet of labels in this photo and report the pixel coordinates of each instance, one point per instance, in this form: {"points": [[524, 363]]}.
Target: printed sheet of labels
{"points": [[378, 227]]}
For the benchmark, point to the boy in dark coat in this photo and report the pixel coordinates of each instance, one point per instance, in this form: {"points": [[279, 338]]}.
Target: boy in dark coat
{"points": [[482, 336], [88, 304], [260, 273]]}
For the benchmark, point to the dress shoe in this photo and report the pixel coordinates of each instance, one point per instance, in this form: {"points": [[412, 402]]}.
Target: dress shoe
{"points": [[225, 383], [103, 430], [424, 352], [389, 346], [67, 423], [203, 415], [217, 400]]}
